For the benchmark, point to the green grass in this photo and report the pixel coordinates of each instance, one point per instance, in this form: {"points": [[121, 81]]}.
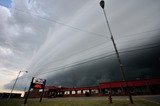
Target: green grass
{"points": [[50, 102]]}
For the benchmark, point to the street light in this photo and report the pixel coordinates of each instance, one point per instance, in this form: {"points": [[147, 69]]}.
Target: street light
{"points": [[15, 83], [102, 4]]}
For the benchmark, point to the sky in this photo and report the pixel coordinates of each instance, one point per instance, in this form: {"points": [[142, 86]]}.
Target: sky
{"points": [[67, 42], [6, 3]]}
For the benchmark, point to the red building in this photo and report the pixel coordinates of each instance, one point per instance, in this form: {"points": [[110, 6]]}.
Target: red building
{"points": [[137, 87]]}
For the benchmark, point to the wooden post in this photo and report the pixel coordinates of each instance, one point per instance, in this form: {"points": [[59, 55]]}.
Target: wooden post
{"points": [[110, 95], [42, 92], [26, 98]]}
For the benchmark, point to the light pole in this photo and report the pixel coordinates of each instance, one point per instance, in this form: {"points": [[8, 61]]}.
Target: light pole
{"points": [[102, 4], [15, 83]]}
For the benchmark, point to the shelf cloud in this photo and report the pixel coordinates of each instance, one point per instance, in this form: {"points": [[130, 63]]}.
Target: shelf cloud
{"points": [[68, 42]]}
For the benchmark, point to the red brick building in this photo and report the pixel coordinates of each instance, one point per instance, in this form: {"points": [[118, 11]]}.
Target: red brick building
{"points": [[137, 87]]}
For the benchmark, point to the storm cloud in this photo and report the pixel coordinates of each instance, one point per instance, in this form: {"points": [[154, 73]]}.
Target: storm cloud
{"points": [[68, 42]]}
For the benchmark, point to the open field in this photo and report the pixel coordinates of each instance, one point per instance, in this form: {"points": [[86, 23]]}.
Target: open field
{"points": [[80, 101]]}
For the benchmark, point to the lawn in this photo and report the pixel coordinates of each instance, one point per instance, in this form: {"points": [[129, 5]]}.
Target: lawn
{"points": [[74, 102]]}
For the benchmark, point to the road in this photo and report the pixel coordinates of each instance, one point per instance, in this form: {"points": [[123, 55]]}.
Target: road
{"points": [[151, 98]]}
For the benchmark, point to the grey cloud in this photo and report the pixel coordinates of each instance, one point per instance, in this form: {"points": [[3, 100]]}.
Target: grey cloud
{"points": [[60, 45]]}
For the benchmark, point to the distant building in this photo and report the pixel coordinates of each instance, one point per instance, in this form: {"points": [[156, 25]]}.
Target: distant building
{"points": [[6, 95], [137, 87]]}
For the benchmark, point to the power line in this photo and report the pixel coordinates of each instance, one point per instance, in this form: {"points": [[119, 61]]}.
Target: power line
{"points": [[87, 60], [121, 51], [138, 33], [95, 46], [63, 24], [152, 44], [82, 30], [105, 55]]}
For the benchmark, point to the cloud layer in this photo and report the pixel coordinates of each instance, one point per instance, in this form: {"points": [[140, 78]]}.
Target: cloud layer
{"points": [[68, 43]]}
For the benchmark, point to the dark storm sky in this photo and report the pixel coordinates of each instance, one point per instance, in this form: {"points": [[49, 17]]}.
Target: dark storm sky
{"points": [[68, 42]]}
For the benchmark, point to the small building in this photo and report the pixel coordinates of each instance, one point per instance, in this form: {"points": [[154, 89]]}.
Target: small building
{"points": [[137, 87], [13, 95]]}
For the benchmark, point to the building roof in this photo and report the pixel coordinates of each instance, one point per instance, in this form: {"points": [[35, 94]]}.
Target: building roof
{"points": [[116, 84], [132, 83]]}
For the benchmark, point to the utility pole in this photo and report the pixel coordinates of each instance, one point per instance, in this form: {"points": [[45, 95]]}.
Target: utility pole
{"points": [[15, 83], [102, 4]]}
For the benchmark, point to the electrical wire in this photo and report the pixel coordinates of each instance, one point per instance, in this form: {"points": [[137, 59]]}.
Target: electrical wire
{"points": [[60, 23], [112, 52], [76, 28], [100, 57], [79, 52]]}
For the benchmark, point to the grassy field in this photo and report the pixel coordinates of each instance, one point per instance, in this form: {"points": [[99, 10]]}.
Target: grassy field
{"points": [[75, 102]]}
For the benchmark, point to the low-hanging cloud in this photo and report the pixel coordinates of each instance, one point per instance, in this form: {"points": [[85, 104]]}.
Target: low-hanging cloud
{"points": [[76, 50]]}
